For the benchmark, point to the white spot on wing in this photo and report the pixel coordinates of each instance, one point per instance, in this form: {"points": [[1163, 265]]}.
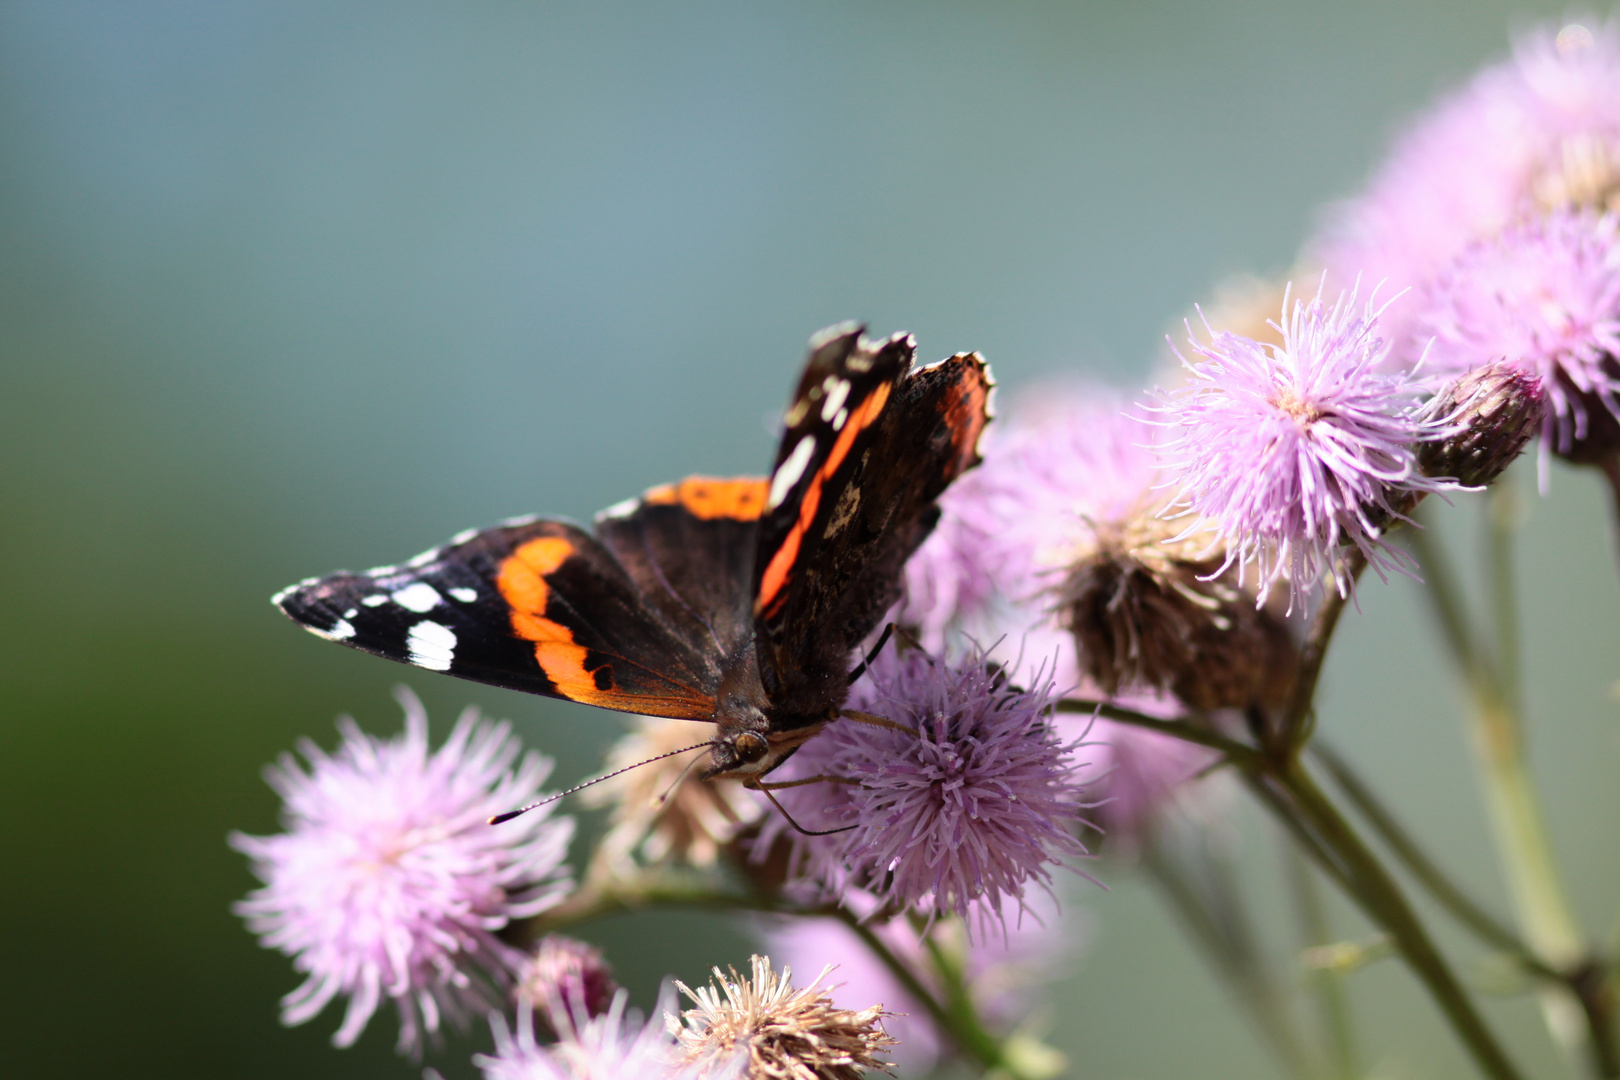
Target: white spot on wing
{"points": [[463, 536], [431, 645], [351, 613], [788, 473], [840, 420], [418, 596], [374, 600], [837, 392], [619, 510], [341, 630], [423, 559], [466, 596]]}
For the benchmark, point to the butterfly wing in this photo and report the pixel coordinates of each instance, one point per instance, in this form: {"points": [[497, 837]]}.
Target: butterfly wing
{"points": [[870, 445], [533, 605], [689, 549]]}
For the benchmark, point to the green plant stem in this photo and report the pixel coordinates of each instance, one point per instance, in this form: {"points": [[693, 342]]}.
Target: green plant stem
{"points": [[1576, 1019], [963, 1023], [1371, 887], [1332, 1001], [1297, 720], [1236, 752], [1487, 927], [1215, 919]]}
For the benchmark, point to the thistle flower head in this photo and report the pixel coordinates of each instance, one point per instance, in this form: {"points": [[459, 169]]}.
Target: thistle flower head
{"points": [[390, 884], [565, 973], [1544, 295], [1288, 453], [1536, 133], [963, 805], [1140, 772], [1003, 975], [615, 1045], [782, 1033], [691, 825], [1063, 459], [1151, 610]]}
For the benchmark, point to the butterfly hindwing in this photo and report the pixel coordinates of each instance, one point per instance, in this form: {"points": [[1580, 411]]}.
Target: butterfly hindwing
{"points": [[539, 606], [689, 548]]}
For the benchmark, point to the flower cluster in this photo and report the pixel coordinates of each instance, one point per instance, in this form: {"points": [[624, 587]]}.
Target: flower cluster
{"points": [[1151, 562], [1496, 214]]}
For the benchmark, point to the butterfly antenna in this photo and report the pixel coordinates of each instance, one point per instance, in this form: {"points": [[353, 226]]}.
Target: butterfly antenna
{"points": [[860, 668], [510, 814], [789, 817]]}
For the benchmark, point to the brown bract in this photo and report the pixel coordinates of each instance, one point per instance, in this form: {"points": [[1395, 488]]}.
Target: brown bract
{"points": [[1143, 617], [787, 1034], [692, 825]]}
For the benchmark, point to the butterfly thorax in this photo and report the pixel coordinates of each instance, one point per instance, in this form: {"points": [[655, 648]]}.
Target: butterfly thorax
{"points": [[752, 735]]}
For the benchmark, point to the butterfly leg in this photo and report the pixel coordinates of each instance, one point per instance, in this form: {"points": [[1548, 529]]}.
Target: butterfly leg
{"points": [[860, 668], [874, 720], [780, 809]]}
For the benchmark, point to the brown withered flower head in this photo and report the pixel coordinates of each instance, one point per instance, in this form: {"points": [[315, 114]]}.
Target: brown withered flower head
{"points": [[1144, 616], [786, 1034], [692, 825], [566, 974]]}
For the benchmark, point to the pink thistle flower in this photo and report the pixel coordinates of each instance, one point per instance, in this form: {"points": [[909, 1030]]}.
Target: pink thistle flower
{"points": [[565, 972], [616, 1045], [390, 883], [1544, 295], [1141, 772], [1290, 452], [960, 811], [1535, 133]]}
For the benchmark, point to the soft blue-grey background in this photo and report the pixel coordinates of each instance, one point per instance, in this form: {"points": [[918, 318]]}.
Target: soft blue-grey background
{"points": [[287, 287]]}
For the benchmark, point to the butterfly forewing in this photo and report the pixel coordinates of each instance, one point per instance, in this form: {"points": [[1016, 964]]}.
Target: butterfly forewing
{"points": [[539, 606]]}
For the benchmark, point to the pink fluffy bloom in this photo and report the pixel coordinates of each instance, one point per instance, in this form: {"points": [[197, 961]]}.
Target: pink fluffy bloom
{"points": [[962, 810], [615, 1045], [1063, 460], [1289, 452], [1537, 132], [1545, 295], [390, 883]]}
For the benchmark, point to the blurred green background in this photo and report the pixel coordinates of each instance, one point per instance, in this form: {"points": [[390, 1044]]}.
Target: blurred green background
{"points": [[290, 287]]}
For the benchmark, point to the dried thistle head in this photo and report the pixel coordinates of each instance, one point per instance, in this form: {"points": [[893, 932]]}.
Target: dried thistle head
{"points": [[1144, 615], [786, 1034], [692, 825]]}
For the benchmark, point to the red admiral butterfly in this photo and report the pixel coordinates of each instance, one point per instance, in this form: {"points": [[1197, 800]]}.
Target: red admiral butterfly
{"points": [[737, 601]]}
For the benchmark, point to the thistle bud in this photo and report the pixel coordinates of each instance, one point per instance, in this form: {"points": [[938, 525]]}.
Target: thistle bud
{"points": [[1143, 615], [568, 975], [1494, 410]]}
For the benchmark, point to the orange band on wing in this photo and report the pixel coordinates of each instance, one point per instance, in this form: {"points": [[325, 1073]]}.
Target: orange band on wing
{"points": [[771, 583], [709, 497], [522, 581]]}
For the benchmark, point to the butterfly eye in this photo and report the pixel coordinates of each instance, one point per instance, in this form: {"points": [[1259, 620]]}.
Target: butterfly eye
{"points": [[749, 747]]}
